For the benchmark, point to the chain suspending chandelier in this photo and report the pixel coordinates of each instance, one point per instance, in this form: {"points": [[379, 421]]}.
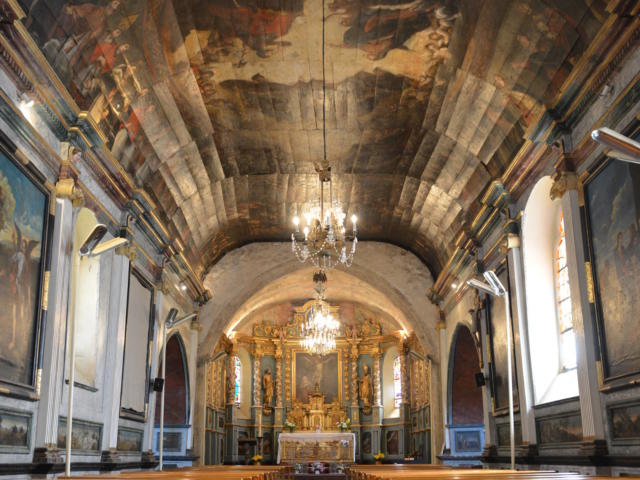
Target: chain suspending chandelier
{"points": [[320, 329], [324, 240]]}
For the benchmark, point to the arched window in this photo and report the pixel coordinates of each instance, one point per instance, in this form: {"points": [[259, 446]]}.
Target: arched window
{"points": [[397, 383], [567, 345], [237, 366]]}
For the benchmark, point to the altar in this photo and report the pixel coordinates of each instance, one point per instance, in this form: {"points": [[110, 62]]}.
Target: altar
{"points": [[309, 447]]}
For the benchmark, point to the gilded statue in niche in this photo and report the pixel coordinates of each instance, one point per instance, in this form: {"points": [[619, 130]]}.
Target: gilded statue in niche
{"points": [[267, 387], [366, 392]]}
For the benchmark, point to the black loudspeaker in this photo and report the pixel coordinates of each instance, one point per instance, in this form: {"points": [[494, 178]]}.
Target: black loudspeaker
{"points": [[157, 384], [480, 380]]}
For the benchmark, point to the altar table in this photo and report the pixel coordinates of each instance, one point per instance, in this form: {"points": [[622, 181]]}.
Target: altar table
{"points": [[309, 447]]}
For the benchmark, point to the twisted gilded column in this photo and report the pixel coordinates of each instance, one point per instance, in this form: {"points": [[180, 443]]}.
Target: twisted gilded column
{"points": [[279, 385], [404, 371], [257, 383], [231, 377], [354, 375], [377, 391]]}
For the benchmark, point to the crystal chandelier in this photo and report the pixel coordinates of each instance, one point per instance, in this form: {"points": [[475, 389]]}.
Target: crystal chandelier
{"points": [[324, 240], [320, 329]]}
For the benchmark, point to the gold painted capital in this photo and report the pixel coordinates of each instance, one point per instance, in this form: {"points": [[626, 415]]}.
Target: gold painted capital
{"points": [[196, 325], [441, 325], [562, 183], [66, 188]]}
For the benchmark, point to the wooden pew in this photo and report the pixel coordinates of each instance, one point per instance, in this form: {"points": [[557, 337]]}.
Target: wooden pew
{"points": [[232, 472]]}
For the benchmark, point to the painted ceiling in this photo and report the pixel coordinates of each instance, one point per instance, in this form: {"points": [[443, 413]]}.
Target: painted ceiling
{"points": [[215, 107]]}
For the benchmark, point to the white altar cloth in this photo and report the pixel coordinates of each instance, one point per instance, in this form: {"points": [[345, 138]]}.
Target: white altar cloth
{"points": [[306, 447]]}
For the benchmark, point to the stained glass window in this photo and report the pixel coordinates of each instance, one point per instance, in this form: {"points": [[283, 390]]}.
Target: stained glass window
{"points": [[563, 304], [397, 382], [237, 365]]}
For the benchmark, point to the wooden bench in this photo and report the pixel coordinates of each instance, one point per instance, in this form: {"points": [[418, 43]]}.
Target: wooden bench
{"points": [[223, 472]]}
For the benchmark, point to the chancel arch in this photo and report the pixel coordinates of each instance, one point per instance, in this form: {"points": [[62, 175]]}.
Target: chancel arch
{"points": [[386, 321]]}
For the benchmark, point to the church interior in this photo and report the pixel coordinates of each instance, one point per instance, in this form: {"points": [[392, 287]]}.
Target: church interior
{"points": [[339, 239]]}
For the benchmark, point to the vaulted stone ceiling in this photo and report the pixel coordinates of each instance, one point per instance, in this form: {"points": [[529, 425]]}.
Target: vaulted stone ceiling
{"points": [[215, 107]]}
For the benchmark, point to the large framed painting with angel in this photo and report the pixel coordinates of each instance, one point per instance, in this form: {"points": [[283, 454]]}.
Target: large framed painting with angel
{"points": [[612, 203], [23, 226]]}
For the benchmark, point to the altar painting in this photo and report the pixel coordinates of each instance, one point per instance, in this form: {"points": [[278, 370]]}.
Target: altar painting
{"points": [[612, 200], [311, 370], [23, 216]]}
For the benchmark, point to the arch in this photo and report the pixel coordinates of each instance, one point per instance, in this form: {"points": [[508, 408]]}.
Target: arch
{"points": [[176, 384], [388, 387], [464, 397], [540, 239]]}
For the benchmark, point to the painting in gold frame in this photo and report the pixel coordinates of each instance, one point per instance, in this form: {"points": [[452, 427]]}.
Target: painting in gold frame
{"points": [[309, 369]]}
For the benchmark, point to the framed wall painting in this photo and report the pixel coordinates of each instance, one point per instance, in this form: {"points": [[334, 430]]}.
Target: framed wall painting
{"points": [[560, 429], [624, 423], [497, 331], [612, 214], [129, 440], [15, 431], [85, 436], [25, 226], [311, 370], [136, 369]]}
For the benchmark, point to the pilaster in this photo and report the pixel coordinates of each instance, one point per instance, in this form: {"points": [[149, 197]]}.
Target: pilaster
{"points": [[520, 330], [148, 453], [46, 432], [566, 188], [115, 356], [194, 329], [490, 448], [441, 328]]}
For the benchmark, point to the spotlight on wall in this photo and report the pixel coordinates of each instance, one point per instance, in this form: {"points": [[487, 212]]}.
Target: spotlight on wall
{"points": [[481, 381], [91, 247], [622, 148], [183, 287]]}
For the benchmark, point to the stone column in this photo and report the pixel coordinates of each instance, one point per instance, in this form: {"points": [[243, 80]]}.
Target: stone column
{"points": [[115, 356], [46, 432], [521, 334], [565, 187]]}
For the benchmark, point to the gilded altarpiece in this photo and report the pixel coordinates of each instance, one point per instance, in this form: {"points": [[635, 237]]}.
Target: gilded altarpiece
{"points": [[316, 392]]}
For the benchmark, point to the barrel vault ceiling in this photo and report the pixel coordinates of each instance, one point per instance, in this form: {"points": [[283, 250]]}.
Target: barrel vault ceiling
{"points": [[215, 107]]}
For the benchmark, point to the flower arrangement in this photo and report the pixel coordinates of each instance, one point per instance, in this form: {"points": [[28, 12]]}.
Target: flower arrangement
{"points": [[290, 425], [344, 425], [378, 457], [256, 459]]}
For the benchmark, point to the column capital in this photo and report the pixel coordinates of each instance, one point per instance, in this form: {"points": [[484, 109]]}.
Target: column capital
{"points": [[66, 188], [129, 251], [442, 322], [563, 181]]}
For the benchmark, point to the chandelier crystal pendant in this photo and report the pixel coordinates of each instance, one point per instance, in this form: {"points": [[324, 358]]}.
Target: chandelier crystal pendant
{"points": [[324, 240], [320, 329]]}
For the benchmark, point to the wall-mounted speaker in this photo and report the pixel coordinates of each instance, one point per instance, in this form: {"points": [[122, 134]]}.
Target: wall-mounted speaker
{"points": [[480, 380], [158, 384]]}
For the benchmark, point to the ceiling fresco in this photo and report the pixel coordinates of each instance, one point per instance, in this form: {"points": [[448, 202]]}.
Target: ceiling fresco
{"points": [[215, 107]]}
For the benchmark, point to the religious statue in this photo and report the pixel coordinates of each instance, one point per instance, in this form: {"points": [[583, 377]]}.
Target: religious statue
{"points": [[267, 387], [366, 392]]}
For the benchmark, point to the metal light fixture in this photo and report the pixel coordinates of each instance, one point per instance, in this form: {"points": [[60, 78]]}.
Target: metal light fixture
{"points": [[90, 247], [324, 239], [622, 148], [494, 287]]}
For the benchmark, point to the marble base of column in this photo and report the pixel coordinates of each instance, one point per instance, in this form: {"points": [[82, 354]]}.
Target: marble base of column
{"points": [[489, 451], [148, 457], [593, 448], [526, 450], [110, 456], [47, 455]]}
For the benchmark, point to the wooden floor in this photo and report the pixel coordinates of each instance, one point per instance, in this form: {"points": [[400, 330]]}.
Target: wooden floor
{"points": [[356, 472]]}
